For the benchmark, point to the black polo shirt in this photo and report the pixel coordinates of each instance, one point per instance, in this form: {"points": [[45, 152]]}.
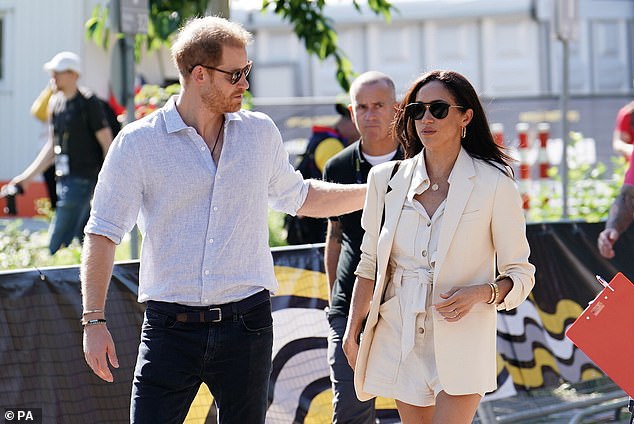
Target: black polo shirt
{"points": [[75, 122], [348, 167]]}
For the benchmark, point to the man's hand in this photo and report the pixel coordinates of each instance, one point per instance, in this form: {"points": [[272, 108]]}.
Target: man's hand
{"points": [[350, 347], [98, 345], [606, 241]]}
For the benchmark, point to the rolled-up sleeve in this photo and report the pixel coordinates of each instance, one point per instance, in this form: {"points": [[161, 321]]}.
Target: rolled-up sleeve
{"points": [[118, 193], [370, 222], [508, 228], [287, 188]]}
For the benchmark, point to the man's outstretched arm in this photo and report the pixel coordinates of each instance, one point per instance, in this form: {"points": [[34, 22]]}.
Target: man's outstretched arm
{"points": [[329, 199]]}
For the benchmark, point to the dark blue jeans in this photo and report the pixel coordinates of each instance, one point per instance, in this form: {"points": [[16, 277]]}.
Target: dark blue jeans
{"points": [[71, 210], [232, 357], [348, 409]]}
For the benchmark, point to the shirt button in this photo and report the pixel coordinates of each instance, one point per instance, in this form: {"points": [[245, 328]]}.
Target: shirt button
{"points": [[421, 330], [206, 272], [211, 240], [215, 208], [202, 148], [205, 300], [424, 253], [429, 224]]}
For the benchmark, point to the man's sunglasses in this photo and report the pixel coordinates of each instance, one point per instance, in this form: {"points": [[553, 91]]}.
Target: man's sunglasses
{"points": [[235, 75], [438, 110]]}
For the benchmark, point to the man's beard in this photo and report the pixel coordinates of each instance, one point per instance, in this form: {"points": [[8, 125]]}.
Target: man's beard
{"points": [[216, 101]]}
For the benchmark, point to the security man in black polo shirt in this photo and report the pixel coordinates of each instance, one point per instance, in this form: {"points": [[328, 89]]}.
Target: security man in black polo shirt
{"points": [[79, 138], [373, 105]]}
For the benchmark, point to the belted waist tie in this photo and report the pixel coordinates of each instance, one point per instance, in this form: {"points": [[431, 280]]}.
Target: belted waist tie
{"points": [[412, 287]]}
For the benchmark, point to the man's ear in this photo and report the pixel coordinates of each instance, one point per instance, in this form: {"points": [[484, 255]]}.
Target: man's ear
{"points": [[197, 74]]}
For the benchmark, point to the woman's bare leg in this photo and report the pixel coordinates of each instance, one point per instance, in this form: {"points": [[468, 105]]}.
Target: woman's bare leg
{"points": [[455, 409], [412, 414], [448, 409]]}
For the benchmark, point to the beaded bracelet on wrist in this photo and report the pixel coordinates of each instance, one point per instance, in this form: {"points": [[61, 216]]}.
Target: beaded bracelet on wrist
{"points": [[93, 322]]}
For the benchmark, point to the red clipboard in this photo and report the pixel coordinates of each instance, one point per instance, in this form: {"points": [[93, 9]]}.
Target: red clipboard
{"points": [[605, 332]]}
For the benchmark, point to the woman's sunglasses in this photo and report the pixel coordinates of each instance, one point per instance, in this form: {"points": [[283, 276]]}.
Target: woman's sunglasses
{"points": [[438, 110], [235, 75]]}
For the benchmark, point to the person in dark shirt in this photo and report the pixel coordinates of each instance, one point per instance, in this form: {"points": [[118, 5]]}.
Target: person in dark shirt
{"points": [[324, 143], [373, 103], [79, 138]]}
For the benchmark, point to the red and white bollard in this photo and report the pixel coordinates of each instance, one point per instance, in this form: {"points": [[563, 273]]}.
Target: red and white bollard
{"points": [[525, 167], [497, 130], [543, 134]]}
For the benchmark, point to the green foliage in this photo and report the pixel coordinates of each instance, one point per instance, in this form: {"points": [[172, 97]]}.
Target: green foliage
{"points": [[21, 248], [96, 29], [151, 97], [307, 18], [165, 17], [277, 233], [316, 29], [591, 190]]}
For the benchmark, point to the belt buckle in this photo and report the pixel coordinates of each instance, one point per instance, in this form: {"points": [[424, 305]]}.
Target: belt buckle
{"points": [[219, 314]]}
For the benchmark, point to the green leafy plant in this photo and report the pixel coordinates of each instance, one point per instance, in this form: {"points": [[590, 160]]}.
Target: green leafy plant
{"points": [[308, 19], [151, 97], [277, 233], [591, 189]]}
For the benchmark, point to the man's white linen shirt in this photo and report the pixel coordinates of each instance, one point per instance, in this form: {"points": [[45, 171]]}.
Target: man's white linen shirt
{"points": [[204, 228]]}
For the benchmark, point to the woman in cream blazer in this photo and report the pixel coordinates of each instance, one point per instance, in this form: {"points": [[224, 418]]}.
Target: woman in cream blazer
{"points": [[452, 216]]}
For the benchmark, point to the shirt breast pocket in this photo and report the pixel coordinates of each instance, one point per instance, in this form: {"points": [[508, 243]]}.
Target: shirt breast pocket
{"points": [[406, 230], [471, 215]]}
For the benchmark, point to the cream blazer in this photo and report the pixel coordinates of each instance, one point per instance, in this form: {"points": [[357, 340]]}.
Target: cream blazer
{"points": [[483, 227]]}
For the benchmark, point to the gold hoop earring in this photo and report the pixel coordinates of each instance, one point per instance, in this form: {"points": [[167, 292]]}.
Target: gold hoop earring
{"points": [[463, 132]]}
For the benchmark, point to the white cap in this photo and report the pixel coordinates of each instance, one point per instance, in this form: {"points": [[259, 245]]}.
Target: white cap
{"points": [[64, 61]]}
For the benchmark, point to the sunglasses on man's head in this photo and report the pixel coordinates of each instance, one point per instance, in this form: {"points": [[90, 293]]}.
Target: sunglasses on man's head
{"points": [[235, 75], [438, 109]]}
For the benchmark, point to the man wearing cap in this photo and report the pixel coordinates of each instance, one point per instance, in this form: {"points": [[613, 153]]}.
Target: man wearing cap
{"points": [[324, 143], [79, 138]]}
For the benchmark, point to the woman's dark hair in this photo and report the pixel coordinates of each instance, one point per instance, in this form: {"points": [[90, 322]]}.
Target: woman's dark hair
{"points": [[478, 142]]}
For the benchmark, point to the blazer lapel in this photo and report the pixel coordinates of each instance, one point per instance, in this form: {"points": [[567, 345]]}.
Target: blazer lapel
{"points": [[460, 189], [393, 206]]}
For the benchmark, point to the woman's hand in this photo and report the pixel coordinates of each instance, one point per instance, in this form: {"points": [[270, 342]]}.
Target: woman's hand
{"points": [[460, 300]]}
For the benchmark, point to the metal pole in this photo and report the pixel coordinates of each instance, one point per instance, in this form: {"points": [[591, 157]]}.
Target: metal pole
{"points": [[128, 72], [564, 126], [486, 414]]}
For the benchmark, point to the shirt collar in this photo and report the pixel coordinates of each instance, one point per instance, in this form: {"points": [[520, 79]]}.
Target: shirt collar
{"points": [[174, 122], [359, 152], [420, 179]]}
